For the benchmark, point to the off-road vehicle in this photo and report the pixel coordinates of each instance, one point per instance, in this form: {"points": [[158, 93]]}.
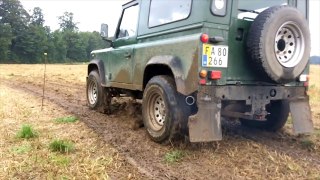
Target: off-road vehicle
{"points": [[195, 61]]}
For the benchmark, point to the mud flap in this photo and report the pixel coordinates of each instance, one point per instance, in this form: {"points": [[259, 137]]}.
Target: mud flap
{"points": [[301, 116], [205, 126]]}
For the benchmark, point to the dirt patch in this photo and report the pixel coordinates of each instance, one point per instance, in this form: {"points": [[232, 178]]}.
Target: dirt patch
{"points": [[243, 153], [32, 158]]}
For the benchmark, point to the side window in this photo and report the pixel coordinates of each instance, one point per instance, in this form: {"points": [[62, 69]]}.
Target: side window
{"points": [[166, 11], [129, 22]]}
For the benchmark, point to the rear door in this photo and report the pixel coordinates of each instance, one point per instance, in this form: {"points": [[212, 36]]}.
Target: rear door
{"points": [[243, 14]]}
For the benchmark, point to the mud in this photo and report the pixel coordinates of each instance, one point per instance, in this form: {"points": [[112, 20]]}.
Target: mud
{"points": [[241, 154]]}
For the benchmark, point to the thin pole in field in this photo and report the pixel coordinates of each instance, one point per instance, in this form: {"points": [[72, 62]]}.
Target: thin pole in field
{"points": [[44, 78]]}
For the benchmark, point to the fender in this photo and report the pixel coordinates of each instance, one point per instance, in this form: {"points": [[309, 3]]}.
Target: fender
{"points": [[98, 64], [184, 76]]}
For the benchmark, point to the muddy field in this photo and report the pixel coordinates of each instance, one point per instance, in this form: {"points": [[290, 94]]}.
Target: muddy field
{"points": [[113, 146]]}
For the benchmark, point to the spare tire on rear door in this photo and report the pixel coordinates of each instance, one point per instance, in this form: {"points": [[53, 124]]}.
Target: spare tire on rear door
{"points": [[279, 43]]}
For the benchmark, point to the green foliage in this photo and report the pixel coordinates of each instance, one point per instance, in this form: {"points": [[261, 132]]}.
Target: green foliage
{"points": [[21, 149], [60, 160], [173, 156], [76, 47], [32, 44], [70, 119], [24, 38], [62, 146], [66, 22], [37, 18], [94, 41], [5, 41], [13, 13], [27, 132]]}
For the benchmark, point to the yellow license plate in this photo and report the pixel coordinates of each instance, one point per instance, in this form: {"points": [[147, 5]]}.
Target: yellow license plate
{"points": [[214, 56]]}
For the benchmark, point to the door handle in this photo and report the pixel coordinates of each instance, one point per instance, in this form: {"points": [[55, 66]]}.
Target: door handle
{"points": [[127, 55], [216, 39]]}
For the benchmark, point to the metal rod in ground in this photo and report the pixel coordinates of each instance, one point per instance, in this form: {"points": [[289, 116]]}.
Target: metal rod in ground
{"points": [[44, 79]]}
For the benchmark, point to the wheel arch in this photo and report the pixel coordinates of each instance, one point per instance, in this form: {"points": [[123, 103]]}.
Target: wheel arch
{"points": [[166, 65], [98, 65]]}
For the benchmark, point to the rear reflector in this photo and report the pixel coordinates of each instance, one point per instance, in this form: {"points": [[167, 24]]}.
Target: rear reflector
{"points": [[202, 82], [204, 38], [215, 75]]}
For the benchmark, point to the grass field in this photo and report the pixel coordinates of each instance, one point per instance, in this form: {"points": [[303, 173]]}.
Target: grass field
{"points": [[34, 158], [314, 93], [65, 140]]}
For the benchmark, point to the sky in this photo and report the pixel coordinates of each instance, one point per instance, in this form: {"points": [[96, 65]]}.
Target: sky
{"points": [[91, 13]]}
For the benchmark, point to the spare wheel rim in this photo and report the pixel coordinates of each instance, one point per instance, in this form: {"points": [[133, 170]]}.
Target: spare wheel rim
{"points": [[289, 44]]}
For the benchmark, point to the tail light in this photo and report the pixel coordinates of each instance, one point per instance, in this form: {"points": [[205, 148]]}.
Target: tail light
{"points": [[304, 78], [215, 75], [204, 38]]}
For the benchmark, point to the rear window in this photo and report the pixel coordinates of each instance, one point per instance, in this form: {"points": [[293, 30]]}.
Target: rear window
{"points": [[250, 8], [167, 11]]}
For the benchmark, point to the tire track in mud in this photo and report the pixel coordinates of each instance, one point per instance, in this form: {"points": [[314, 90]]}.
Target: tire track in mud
{"points": [[146, 155], [78, 110], [106, 126], [135, 146]]}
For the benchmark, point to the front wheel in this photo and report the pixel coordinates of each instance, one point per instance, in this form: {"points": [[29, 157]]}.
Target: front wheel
{"points": [[97, 96], [160, 109], [279, 112]]}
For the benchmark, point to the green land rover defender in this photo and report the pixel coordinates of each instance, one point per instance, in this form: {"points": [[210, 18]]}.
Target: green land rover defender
{"points": [[195, 61]]}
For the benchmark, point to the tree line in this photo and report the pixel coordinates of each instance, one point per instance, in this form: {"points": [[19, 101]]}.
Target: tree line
{"points": [[25, 39]]}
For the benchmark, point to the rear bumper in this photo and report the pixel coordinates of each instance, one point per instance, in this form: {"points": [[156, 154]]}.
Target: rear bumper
{"points": [[206, 124], [251, 93]]}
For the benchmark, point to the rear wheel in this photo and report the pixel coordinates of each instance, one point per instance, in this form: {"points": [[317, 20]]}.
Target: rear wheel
{"points": [[279, 112], [160, 109], [98, 97]]}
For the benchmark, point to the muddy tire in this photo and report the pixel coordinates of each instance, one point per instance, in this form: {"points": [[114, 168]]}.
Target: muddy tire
{"points": [[279, 43], [160, 109], [279, 112], [97, 96]]}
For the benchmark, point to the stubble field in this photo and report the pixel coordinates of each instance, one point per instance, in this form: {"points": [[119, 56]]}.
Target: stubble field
{"points": [[99, 146]]}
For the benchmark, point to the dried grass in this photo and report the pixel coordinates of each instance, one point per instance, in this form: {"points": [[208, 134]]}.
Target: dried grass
{"points": [[233, 158], [314, 93], [70, 119], [32, 159]]}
